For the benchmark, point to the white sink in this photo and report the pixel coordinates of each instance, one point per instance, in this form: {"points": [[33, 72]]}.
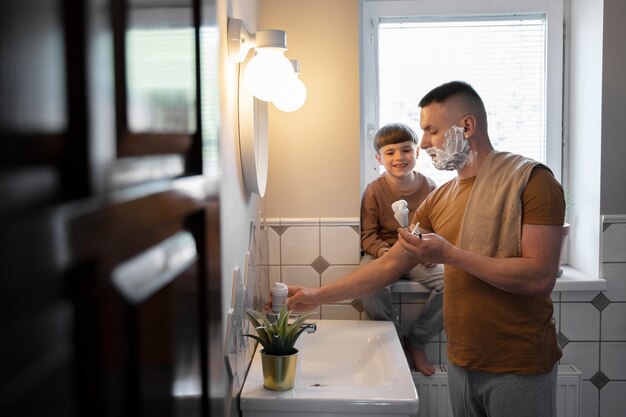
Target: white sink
{"points": [[347, 367]]}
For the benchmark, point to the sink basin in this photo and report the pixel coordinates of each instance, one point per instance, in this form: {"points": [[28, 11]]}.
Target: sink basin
{"points": [[347, 367]]}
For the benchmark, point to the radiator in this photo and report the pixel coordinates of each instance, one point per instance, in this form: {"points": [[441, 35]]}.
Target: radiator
{"points": [[434, 402], [433, 393]]}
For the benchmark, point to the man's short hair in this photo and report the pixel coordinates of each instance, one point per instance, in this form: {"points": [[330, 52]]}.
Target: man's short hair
{"points": [[464, 92], [447, 90]]}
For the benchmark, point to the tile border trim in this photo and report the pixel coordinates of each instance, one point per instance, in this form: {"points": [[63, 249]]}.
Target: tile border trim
{"points": [[312, 221]]}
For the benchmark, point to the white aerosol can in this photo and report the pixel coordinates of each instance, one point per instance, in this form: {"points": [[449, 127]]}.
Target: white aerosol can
{"points": [[279, 295]]}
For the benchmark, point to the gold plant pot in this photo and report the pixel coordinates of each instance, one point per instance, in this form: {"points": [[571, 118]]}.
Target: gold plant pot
{"points": [[279, 372]]}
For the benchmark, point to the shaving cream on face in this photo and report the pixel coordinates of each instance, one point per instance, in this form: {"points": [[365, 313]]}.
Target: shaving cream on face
{"points": [[455, 152]]}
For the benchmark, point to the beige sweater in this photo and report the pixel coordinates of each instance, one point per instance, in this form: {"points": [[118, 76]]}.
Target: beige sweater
{"points": [[379, 229]]}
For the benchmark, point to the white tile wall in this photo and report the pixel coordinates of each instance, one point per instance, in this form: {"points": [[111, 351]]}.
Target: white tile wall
{"points": [[300, 245], [339, 312], [614, 322], [589, 400], [614, 360], [574, 296], [274, 275], [579, 321], [615, 275], [612, 396], [304, 276], [340, 245], [315, 314], [614, 243], [273, 247], [237, 346], [335, 273], [557, 315], [612, 399], [584, 355]]}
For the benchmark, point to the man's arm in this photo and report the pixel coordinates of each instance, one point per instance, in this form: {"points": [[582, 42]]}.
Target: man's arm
{"points": [[362, 281], [533, 273]]}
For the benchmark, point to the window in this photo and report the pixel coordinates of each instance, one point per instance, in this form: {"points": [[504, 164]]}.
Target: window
{"points": [[161, 80], [509, 56]]}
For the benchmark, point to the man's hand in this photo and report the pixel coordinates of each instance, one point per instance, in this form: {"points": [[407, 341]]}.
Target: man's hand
{"points": [[430, 248], [301, 299]]}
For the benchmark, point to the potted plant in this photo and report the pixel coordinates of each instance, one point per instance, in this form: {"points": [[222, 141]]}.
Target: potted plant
{"points": [[278, 337]]}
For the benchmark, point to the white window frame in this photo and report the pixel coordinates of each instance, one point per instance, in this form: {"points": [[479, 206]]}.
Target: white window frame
{"points": [[372, 11]]}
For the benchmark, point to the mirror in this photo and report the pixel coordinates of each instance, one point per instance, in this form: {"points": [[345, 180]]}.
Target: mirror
{"points": [[253, 144]]}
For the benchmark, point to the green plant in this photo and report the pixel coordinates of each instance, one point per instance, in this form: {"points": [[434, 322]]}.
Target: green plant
{"points": [[279, 336]]}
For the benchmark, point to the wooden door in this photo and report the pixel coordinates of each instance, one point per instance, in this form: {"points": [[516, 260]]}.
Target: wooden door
{"points": [[109, 212]]}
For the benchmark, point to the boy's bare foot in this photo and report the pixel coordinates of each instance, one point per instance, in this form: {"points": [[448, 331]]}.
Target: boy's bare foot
{"points": [[419, 359]]}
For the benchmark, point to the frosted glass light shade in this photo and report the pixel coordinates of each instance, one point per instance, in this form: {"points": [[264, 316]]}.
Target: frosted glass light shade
{"points": [[266, 73], [292, 96]]}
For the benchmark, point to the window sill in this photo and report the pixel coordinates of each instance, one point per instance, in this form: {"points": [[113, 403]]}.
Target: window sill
{"points": [[574, 280], [571, 280]]}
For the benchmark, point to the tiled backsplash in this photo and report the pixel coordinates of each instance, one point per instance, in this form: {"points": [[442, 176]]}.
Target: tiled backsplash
{"points": [[314, 252], [592, 328], [591, 325]]}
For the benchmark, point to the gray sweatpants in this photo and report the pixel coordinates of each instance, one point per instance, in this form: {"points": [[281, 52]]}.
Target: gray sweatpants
{"points": [[483, 394], [430, 322]]}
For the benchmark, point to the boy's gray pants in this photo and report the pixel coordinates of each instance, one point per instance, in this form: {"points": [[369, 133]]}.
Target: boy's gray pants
{"points": [[378, 306]]}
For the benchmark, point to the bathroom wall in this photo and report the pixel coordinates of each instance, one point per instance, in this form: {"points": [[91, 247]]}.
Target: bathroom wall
{"points": [[314, 152], [239, 207], [240, 210], [613, 108], [595, 324]]}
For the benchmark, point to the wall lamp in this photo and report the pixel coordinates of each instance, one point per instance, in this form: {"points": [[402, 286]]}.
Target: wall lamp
{"points": [[269, 75]]}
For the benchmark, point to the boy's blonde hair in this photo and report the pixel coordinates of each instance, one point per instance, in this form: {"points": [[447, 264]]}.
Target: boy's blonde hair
{"points": [[393, 133]]}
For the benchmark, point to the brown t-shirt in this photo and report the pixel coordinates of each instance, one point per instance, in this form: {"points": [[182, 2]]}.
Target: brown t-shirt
{"points": [[489, 329], [379, 229]]}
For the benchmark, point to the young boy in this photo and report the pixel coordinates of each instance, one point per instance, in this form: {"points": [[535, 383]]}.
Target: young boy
{"points": [[397, 148]]}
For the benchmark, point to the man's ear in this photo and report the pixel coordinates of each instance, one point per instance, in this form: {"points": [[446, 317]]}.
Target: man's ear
{"points": [[379, 159], [469, 126]]}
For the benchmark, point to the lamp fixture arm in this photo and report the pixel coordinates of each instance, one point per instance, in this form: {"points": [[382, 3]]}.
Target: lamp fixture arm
{"points": [[240, 41]]}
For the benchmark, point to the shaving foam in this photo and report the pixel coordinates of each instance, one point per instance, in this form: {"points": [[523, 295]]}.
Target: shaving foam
{"points": [[455, 153]]}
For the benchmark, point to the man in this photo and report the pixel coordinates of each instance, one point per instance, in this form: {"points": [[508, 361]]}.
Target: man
{"points": [[497, 228]]}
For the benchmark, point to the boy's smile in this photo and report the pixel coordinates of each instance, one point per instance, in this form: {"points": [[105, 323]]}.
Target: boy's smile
{"points": [[398, 158]]}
